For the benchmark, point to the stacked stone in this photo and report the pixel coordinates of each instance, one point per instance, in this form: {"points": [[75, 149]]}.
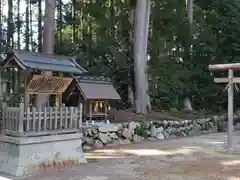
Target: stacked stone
{"points": [[126, 133]]}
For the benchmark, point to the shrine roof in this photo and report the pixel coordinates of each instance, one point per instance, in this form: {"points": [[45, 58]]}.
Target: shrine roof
{"points": [[96, 88], [233, 66], [33, 60]]}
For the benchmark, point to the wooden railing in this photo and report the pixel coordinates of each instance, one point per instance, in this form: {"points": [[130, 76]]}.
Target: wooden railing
{"points": [[33, 121]]}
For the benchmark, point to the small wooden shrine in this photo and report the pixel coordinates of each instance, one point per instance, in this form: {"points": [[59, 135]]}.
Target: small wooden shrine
{"points": [[34, 126], [95, 93], [53, 82]]}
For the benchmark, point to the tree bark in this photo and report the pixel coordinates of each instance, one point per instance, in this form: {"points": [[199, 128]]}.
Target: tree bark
{"points": [[131, 97], [18, 25], [59, 22], [10, 26], [39, 25], [48, 42], [27, 34], [146, 32], [139, 58], [31, 27], [74, 20], [1, 35], [49, 27]]}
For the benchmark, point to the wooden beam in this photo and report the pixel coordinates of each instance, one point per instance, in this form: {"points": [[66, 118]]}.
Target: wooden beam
{"points": [[234, 66], [58, 100], [230, 110], [26, 94], [226, 80]]}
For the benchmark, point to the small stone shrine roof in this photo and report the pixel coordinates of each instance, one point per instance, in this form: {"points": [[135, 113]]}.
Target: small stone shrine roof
{"points": [[33, 60], [96, 88]]}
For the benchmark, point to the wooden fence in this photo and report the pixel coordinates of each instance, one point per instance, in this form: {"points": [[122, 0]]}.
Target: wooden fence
{"points": [[18, 121]]}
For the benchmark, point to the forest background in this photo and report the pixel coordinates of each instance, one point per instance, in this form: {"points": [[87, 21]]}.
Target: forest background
{"points": [[99, 33]]}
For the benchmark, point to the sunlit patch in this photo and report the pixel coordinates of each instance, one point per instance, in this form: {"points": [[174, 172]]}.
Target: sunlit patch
{"points": [[102, 157], [216, 142], [191, 147], [146, 152], [231, 163], [139, 152], [95, 178], [233, 178], [107, 151], [3, 178], [183, 151]]}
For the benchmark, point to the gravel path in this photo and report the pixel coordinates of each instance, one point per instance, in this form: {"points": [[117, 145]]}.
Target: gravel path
{"points": [[193, 158]]}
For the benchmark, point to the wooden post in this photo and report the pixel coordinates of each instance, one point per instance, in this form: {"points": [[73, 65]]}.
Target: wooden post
{"points": [[4, 120], [230, 87], [58, 100], [26, 95], [105, 109], [59, 96], [21, 118], [230, 109], [80, 116], [90, 110]]}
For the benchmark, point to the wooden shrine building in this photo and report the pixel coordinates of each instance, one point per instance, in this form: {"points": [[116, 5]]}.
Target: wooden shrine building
{"points": [[54, 81], [38, 124], [95, 93]]}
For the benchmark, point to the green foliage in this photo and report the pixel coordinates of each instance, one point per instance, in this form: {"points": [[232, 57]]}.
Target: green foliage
{"points": [[103, 44]]}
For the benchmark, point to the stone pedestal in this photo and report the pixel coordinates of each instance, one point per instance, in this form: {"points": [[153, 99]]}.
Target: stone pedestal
{"points": [[20, 156]]}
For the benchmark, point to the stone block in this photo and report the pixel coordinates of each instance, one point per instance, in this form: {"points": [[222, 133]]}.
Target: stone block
{"points": [[20, 156]]}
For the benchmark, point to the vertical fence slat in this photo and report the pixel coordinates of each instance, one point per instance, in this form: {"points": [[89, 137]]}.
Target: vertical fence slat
{"points": [[34, 118], [4, 117], [45, 119], [66, 118], [28, 119], [39, 118], [21, 118], [61, 117], [56, 118], [12, 122], [80, 116], [71, 117], [51, 118], [7, 118], [10, 119]]}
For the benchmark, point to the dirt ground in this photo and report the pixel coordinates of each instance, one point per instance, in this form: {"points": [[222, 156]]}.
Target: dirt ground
{"points": [[192, 158]]}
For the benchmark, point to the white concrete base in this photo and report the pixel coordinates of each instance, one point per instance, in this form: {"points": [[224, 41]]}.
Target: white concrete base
{"points": [[20, 156]]}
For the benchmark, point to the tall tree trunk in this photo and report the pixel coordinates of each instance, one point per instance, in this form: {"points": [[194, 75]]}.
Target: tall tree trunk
{"points": [[10, 26], [112, 16], [131, 97], [27, 34], [18, 25], [139, 57], [74, 20], [49, 27], [48, 41], [190, 21], [60, 21], [1, 35], [1, 50], [31, 27], [146, 32], [39, 25]]}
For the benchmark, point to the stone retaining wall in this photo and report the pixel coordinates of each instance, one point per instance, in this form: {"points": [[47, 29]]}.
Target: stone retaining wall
{"points": [[98, 136]]}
